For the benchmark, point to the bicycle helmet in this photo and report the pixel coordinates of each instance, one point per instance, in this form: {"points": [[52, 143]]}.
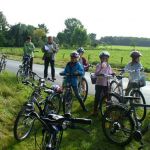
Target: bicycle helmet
{"points": [[135, 54], [80, 50], [74, 54], [104, 54]]}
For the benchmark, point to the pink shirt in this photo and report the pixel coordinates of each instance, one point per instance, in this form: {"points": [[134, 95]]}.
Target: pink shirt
{"points": [[99, 70]]}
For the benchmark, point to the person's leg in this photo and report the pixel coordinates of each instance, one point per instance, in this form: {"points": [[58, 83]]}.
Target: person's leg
{"points": [[97, 98], [31, 63], [128, 89], [52, 63], [76, 92], [46, 64]]}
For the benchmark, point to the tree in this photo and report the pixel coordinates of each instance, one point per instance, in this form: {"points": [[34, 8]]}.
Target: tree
{"points": [[93, 41], [4, 26], [79, 37], [43, 26]]}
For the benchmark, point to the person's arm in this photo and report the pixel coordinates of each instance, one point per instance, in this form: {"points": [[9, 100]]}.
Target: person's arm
{"points": [[55, 48]]}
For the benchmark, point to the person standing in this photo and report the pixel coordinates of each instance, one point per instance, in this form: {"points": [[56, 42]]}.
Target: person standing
{"points": [[49, 50], [28, 51]]}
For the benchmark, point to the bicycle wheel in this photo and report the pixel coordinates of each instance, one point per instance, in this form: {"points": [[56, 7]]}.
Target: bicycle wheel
{"points": [[108, 100], [83, 88], [20, 75], [140, 111], [51, 141], [23, 124], [115, 87], [118, 125], [67, 101], [53, 104]]}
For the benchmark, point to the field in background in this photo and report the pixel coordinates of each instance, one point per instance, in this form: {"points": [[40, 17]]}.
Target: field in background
{"points": [[13, 95], [119, 56]]}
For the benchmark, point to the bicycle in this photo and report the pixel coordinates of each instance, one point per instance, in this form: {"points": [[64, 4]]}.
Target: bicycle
{"points": [[83, 85], [24, 72], [53, 126], [3, 62], [51, 104], [117, 87], [120, 124]]}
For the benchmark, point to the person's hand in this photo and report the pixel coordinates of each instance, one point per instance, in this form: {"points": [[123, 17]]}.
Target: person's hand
{"points": [[104, 65], [76, 73]]}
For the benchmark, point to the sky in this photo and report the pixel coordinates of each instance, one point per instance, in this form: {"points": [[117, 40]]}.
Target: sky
{"points": [[102, 17]]}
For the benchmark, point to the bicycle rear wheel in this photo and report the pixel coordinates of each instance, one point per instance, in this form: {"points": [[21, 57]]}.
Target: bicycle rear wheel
{"points": [[23, 124], [83, 88], [118, 125], [108, 100], [140, 111], [67, 102]]}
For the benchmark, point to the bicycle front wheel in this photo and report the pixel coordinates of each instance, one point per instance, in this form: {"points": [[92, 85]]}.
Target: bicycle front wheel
{"points": [[23, 124], [53, 104], [118, 125], [51, 141], [108, 100], [20, 75], [67, 102], [83, 88], [140, 111], [115, 87]]}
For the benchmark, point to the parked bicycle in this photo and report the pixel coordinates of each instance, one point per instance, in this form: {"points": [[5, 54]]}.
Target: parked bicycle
{"points": [[24, 72], [51, 104], [3, 62], [117, 87], [120, 124], [53, 126]]}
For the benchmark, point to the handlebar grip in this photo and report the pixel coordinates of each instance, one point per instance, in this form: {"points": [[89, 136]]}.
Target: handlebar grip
{"points": [[81, 121]]}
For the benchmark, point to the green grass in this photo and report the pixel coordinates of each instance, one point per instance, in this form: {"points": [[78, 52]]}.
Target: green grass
{"points": [[13, 95]]}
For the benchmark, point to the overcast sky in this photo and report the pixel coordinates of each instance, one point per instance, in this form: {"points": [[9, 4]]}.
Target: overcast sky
{"points": [[103, 17]]}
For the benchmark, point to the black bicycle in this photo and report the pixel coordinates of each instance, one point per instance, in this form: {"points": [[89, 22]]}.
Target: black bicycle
{"points": [[24, 72], [53, 126], [3, 62], [120, 123], [51, 104], [116, 86]]}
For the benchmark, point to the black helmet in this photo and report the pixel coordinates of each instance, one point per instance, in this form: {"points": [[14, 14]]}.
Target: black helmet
{"points": [[104, 54], [135, 54], [74, 54], [80, 50]]}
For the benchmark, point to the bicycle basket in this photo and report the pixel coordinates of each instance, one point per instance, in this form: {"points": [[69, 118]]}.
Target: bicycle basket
{"points": [[142, 81], [93, 78]]}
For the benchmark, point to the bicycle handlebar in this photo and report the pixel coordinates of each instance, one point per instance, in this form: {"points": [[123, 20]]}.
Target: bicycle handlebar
{"points": [[69, 75]]}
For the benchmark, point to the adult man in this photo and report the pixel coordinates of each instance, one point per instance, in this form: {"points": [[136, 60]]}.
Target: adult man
{"points": [[28, 51], [49, 50]]}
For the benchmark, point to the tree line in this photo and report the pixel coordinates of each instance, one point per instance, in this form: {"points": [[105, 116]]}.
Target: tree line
{"points": [[74, 35]]}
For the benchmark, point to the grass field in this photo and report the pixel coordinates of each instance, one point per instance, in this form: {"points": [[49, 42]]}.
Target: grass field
{"points": [[119, 56], [13, 95]]}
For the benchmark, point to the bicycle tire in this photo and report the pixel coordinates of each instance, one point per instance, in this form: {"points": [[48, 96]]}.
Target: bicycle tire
{"points": [[140, 111], [50, 141], [115, 87], [20, 75], [53, 105], [67, 102], [23, 121], [83, 91], [118, 125], [106, 101]]}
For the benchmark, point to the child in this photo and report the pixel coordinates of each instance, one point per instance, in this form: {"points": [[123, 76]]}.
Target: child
{"points": [[101, 82], [74, 68], [82, 60], [134, 68]]}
